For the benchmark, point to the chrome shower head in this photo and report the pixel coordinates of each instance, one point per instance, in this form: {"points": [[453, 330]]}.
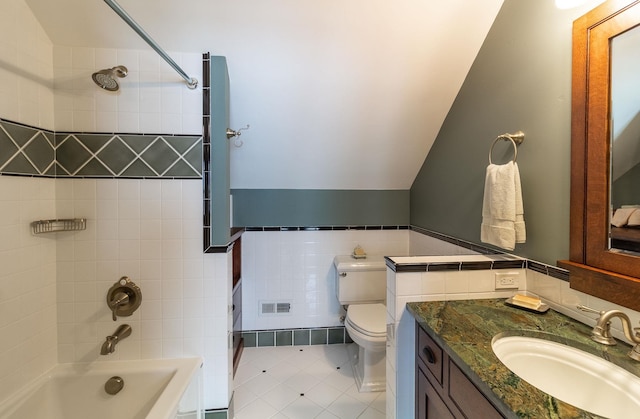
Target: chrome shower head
{"points": [[107, 78]]}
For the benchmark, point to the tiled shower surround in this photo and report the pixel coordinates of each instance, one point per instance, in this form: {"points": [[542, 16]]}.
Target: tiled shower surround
{"points": [[52, 307]]}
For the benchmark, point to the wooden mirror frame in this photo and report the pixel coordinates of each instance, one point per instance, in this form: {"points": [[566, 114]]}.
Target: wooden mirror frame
{"points": [[593, 268]]}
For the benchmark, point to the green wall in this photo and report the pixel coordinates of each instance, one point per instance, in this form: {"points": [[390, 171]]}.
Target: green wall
{"points": [[520, 80], [306, 208]]}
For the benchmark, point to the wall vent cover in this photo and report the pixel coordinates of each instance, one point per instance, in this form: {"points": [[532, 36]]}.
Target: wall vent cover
{"points": [[274, 307]]}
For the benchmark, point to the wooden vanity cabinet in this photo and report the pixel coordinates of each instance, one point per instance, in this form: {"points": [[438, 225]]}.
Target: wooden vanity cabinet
{"points": [[443, 391], [238, 342]]}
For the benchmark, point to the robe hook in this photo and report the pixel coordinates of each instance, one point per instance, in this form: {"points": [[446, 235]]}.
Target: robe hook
{"points": [[236, 133]]}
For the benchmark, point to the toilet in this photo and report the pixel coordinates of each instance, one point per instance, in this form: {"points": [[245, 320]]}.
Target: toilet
{"points": [[361, 286]]}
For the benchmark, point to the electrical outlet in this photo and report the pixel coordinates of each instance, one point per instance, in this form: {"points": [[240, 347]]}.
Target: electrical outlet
{"points": [[507, 280]]}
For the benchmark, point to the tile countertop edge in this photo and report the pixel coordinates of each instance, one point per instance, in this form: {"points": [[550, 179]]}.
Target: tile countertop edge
{"points": [[474, 344], [456, 262]]}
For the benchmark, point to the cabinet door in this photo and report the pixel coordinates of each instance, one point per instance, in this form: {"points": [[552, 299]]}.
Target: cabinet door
{"points": [[466, 396], [429, 405]]}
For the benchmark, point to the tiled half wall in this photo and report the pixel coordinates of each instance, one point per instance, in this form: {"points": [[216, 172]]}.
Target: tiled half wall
{"points": [[31, 151]]}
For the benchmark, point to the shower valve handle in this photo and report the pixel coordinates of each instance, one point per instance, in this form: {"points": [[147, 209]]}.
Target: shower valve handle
{"points": [[120, 299]]}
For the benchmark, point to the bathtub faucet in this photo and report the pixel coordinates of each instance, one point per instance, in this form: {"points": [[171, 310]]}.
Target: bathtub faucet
{"points": [[109, 345]]}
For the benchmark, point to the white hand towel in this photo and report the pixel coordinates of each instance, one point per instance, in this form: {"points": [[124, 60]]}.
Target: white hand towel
{"points": [[519, 226], [502, 209]]}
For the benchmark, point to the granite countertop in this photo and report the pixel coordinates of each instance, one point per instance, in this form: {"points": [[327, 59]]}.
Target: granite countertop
{"points": [[465, 329]]}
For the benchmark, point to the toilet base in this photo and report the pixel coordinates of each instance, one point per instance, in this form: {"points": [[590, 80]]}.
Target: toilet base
{"points": [[369, 369]]}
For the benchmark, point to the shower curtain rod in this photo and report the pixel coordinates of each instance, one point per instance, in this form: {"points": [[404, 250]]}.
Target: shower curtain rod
{"points": [[191, 82]]}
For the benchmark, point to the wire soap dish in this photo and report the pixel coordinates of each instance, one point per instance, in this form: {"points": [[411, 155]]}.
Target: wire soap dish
{"points": [[51, 226]]}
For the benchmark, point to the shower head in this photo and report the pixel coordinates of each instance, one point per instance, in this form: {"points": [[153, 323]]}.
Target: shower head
{"points": [[107, 78]]}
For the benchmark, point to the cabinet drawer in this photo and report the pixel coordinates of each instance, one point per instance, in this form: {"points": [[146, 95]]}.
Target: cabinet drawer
{"points": [[430, 353]]}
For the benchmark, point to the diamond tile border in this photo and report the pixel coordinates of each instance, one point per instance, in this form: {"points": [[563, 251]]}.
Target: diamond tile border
{"points": [[26, 150], [118, 155], [31, 151]]}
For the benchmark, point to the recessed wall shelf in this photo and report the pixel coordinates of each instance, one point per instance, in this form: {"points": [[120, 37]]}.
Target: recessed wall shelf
{"points": [[52, 226]]}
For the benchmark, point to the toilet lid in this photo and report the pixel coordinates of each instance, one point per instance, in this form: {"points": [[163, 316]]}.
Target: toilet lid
{"points": [[369, 319]]}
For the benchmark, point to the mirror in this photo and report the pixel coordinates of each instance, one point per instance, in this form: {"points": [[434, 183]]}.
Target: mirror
{"points": [[625, 141], [595, 267]]}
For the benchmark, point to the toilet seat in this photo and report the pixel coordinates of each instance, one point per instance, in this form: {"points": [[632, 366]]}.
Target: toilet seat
{"points": [[368, 319]]}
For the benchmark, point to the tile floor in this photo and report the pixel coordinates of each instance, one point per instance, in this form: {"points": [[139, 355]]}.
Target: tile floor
{"points": [[301, 382]]}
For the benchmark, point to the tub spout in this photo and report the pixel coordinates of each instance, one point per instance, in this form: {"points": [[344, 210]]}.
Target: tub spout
{"points": [[109, 345]]}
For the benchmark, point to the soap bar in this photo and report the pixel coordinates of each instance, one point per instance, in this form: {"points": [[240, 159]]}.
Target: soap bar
{"points": [[359, 253], [526, 301]]}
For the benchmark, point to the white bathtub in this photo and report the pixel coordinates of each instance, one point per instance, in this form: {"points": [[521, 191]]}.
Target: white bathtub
{"points": [[153, 389]]}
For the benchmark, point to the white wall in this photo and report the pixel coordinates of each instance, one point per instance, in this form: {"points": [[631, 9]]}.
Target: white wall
{"points": [[297, 267], [152, 98], [26, 71], [27, 283], [27, 263]]}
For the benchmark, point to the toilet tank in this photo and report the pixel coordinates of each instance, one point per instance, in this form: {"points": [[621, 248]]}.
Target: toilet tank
{"points": [[360, 281]]}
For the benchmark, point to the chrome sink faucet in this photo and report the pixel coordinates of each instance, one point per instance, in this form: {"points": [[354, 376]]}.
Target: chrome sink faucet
{"points": [[601, 332], [109, 345]]}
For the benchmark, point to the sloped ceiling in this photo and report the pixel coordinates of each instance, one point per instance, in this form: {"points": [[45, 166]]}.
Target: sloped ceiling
{"points": [[338, 94]]}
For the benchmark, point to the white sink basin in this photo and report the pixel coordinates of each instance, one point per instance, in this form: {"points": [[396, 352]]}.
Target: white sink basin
{"points": [[571, 375]]}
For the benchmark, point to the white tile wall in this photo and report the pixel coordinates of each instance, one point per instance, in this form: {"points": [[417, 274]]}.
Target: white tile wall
{"points": [[152, 98], [27, 263], [26, 73], [149, 230], [297, 267], [27, 282]]}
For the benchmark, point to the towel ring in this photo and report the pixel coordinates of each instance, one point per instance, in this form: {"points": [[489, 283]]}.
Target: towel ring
{"points": [[515, 139]]}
